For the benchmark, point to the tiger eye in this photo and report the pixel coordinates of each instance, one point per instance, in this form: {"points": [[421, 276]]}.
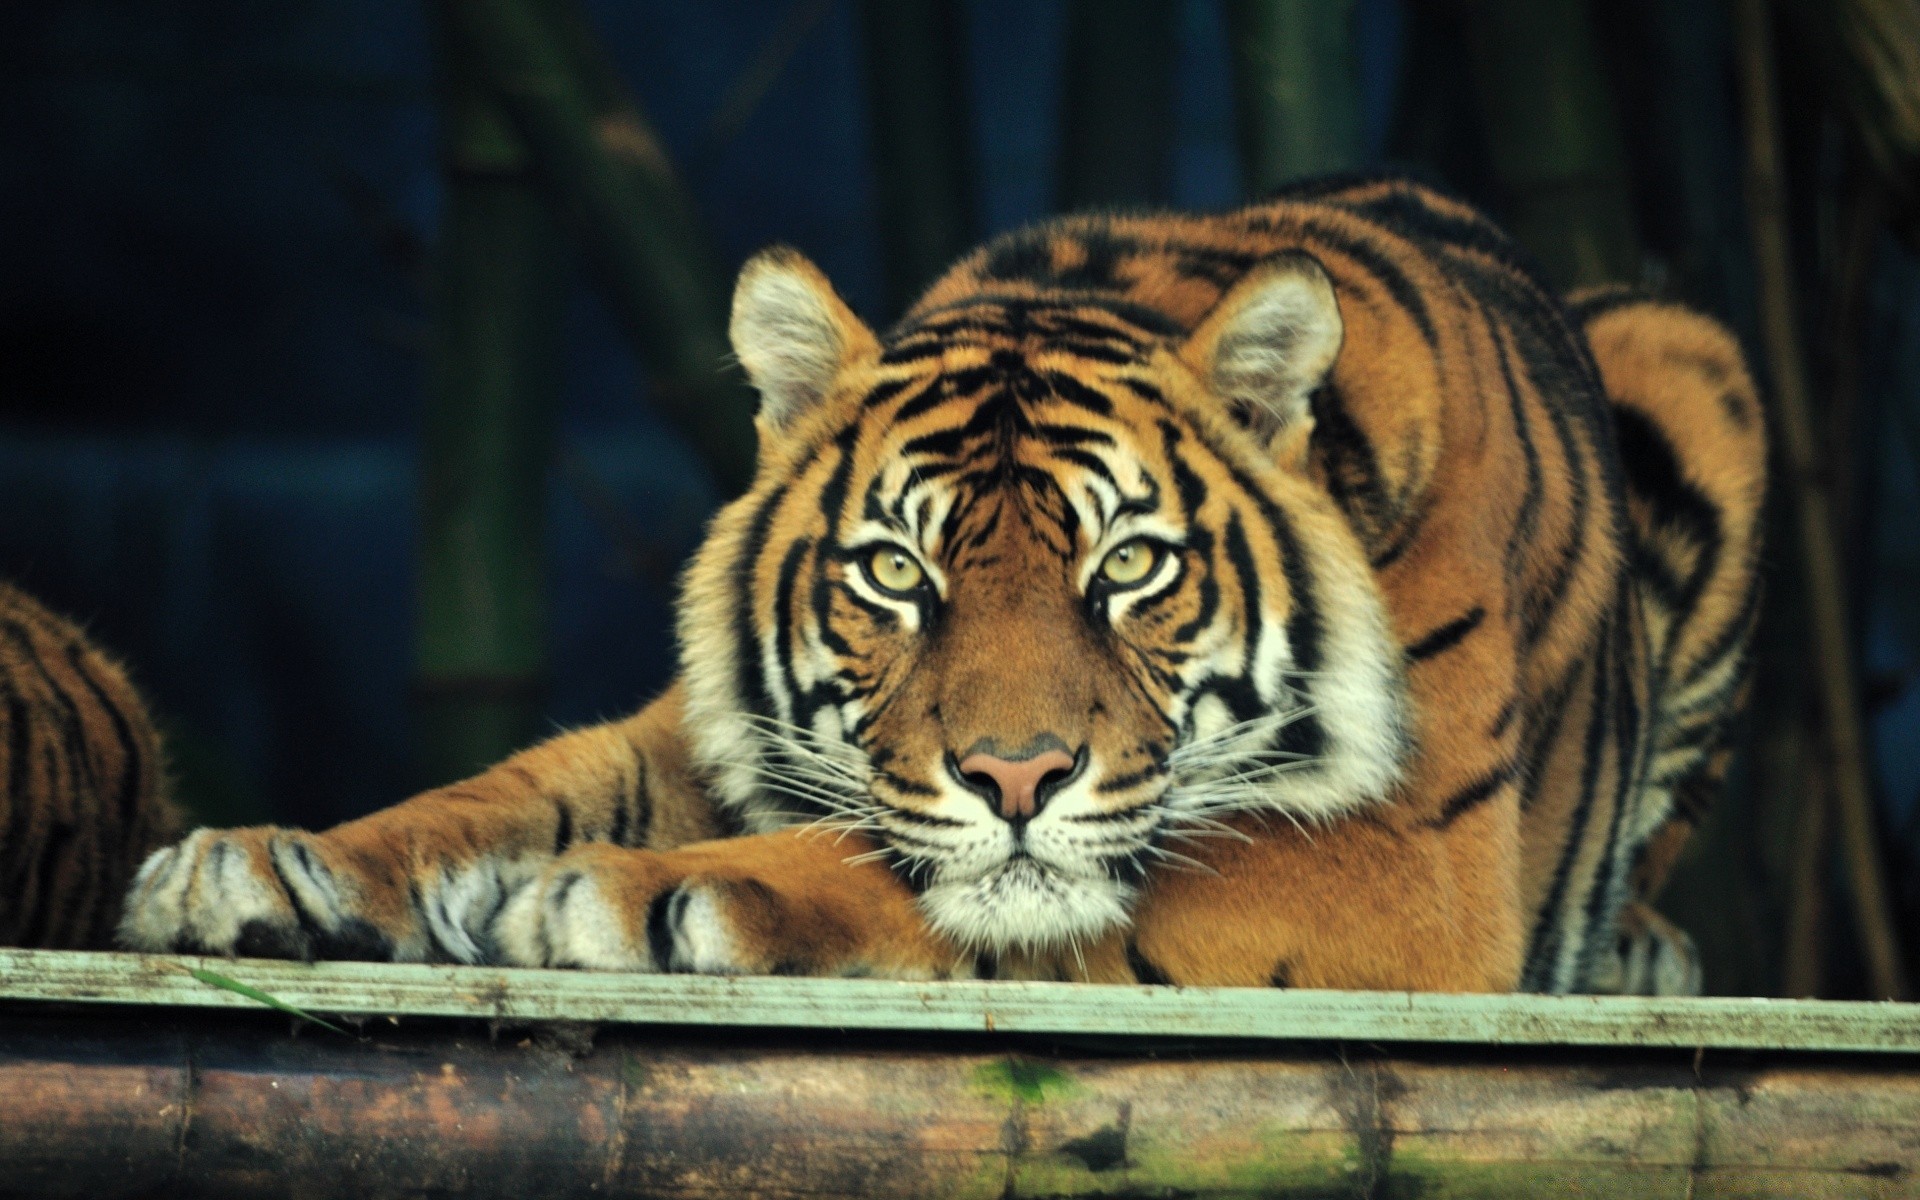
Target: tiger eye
{"points": [[895, 569], [1129, 563]]}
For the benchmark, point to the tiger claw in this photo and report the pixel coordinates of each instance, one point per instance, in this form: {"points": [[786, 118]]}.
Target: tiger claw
{"points": [[258, 893]]}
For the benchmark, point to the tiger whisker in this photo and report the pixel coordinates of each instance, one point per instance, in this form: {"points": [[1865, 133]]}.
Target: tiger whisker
{"points": [[1180, 861]]}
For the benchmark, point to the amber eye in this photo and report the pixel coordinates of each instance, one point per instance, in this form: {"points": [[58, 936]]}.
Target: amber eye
{"points": [[895, 570], [1130, 562]]}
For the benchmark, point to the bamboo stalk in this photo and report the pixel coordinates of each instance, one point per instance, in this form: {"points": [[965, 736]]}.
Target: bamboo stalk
{"points": [[1871, 52], [616, 193], [1116, 123], [1554, 137], [1296, 89], [237, 1109], [1804, 948], [917, 108], [499, 299], [1832, 649]]}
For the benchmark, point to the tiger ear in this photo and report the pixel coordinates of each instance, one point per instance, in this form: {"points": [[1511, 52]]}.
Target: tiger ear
{"points": [[1268, 343], [792, 333]]}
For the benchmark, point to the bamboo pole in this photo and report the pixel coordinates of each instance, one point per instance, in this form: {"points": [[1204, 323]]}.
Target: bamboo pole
{"points": [[617, 194], [1554, 137], [922, 148], [239, 1109], [1832, 649], [1870, 50], [1116, 123], [1803, 949], [486, 438], [1296, 90]]}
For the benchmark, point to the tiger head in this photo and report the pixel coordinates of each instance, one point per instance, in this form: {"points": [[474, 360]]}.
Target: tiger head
{"points": [[1035, 589]]}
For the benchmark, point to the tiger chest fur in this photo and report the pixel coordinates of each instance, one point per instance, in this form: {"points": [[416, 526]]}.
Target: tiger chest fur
{"points": [[1239, 599]]}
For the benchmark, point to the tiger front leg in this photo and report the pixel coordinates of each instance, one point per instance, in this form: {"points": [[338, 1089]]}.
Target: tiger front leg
{"points": [[423, 880], [788, 903], [1376, 901]]}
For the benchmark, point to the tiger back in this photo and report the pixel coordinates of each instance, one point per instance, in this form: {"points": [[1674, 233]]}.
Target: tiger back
{"points": [[82, 783]]}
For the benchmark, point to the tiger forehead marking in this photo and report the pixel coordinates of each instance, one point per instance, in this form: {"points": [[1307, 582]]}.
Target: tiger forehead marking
{"points": [[1025, 602]]}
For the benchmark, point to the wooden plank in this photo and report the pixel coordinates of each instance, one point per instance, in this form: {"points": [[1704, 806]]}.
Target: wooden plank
{"points": [[1046, 1008], [96, 1106]]}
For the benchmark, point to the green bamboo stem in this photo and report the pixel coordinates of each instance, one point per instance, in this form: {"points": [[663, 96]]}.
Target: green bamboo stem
{"points": [[1554, 137], [616, 193], [1819, 559], [916, 101], [1116, 122], [499, 299], [1296, 89]]}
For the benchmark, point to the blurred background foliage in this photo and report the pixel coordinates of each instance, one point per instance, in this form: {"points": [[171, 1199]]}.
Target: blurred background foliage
{"points": [[360, 375]]}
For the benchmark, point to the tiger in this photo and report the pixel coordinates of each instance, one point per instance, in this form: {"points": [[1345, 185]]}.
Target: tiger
{"points": [[84, 795], [1301, 596]]}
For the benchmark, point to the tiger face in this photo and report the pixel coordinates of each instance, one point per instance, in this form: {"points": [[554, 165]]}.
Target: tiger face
{"points": [[1035, 590]]}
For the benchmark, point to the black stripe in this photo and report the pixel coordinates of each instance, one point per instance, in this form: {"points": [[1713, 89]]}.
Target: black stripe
{"points": [[1677, 508], [1144, 969], [1409, 532], [1547, 931], [308, 924], [783, 610], [626, 799], [1071, 390], [1120, 783], [131, 792], [1071, 435], [1347, 457], [1630, 750], [1447, 636], [750, 680], [1473, 795], [936, 393], [661, 915], [1526, 518], [1093, 464], [39, 900], [882, 392]]}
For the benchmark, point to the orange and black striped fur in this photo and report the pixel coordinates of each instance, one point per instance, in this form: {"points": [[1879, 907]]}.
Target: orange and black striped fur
{"points": [[1301, 595], [82, 786]]}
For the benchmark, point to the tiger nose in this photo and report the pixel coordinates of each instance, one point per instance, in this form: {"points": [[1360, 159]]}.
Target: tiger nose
{"points": [[1016, 783]]}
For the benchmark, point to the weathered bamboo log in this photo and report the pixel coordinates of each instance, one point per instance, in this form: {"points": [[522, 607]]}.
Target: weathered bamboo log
{"points": [[1296, 90], [486, 441], [1116, 104], [1554, 137], [617, 194], [114, 1108], [1819, 558], [922, 148]]}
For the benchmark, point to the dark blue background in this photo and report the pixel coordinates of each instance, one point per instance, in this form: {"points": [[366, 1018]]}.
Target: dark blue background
{"points": [[215, 219]]}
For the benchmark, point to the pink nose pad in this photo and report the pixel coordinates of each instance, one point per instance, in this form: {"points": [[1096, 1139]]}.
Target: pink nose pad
{"points": [[1018, 782]]}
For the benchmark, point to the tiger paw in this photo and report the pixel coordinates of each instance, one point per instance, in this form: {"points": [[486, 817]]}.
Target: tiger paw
{"points": [[609, 909], [267, 893]]}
